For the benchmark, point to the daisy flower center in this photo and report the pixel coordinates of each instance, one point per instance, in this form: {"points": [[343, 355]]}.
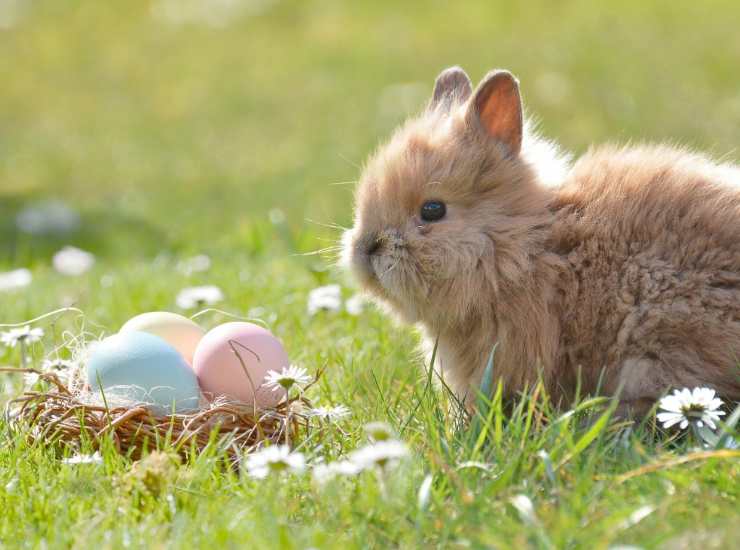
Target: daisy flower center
{"points": [[278, 466], [287, 382], [693, 410]]}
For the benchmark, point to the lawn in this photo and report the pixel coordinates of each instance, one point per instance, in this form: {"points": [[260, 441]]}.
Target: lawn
{"points": [[236, 129]]}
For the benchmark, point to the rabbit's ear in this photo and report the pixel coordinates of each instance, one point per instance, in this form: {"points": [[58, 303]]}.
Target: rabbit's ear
{"points": [[452, 86], [497, 109]]}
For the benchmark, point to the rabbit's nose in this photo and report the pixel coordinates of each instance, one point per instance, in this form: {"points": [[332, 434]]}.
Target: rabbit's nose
{"points": [[373, 245]]}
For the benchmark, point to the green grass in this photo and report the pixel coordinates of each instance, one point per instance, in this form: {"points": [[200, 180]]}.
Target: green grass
{"points": [[175, 140]]}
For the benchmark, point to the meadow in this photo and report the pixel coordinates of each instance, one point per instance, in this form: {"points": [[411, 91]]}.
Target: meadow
{"points": [[236, 129]]}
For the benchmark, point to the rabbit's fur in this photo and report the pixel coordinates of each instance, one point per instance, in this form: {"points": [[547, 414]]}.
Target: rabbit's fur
{"points": [[621, 272]]}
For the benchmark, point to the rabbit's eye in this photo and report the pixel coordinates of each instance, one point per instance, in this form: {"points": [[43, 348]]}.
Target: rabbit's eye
{"points": [[432, 211]]}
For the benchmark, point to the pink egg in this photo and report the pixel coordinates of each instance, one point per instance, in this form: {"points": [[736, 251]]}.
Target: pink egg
{"points": [[221, 373]]}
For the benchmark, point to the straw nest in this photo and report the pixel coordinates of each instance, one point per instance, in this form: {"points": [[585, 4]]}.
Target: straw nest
{"points": [[65, 417]]}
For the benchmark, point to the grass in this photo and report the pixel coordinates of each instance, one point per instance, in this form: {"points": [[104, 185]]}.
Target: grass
{"points": [[175, 140]]}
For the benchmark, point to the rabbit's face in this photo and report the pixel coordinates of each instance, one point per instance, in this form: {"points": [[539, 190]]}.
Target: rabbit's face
{"points": [[433, 205]]}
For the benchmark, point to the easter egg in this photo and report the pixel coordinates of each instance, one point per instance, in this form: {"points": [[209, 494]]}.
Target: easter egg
{"points": [[142, 367], [178, 331], [222, 372]]}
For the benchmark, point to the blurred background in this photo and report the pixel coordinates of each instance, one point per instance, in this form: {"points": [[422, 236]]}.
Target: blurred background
{"points": [[237, 127]]}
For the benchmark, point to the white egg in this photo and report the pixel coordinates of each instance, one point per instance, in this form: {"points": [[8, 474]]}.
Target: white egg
{"points": [[178, 331]]}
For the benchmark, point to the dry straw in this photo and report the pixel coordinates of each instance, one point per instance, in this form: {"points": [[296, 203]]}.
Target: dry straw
{"points": [[61, 416]]}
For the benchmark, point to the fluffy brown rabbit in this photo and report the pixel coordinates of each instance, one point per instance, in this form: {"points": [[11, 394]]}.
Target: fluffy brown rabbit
{"points": [[621, 271]]}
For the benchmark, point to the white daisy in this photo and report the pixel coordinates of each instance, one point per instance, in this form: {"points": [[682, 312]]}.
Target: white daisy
{"points": [[274, 459], [330, 414], [289, 377], [324, 298], [30, 379], [276, 216], [57, 364], [698, 406], [379, 431], [26, 335], [15, 279], [355, 305], [72, 261], [322, 473], [382, 454], [196, 264], [64, 368], [49, 217], [94, 458], [199, 296]]}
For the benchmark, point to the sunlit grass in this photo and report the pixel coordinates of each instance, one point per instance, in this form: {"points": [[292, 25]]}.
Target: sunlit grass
{"points": [[174, 140], [522, 475]]}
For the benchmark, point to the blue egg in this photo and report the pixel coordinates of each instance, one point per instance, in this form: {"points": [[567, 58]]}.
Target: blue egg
{"points": [[141, 367]]}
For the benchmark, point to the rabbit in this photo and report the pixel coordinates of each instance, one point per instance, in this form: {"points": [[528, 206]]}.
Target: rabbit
{"points": [[617, 274]]}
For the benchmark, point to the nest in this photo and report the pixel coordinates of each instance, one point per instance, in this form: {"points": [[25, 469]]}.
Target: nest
{"points": [[61, 416]]}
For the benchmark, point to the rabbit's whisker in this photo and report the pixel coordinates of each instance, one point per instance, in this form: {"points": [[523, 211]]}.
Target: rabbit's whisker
{"points": [[328, 225], [320, 251]]}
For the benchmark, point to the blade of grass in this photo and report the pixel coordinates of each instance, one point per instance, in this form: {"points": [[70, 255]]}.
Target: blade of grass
{"points": [[597, 429], [427, 387]]}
